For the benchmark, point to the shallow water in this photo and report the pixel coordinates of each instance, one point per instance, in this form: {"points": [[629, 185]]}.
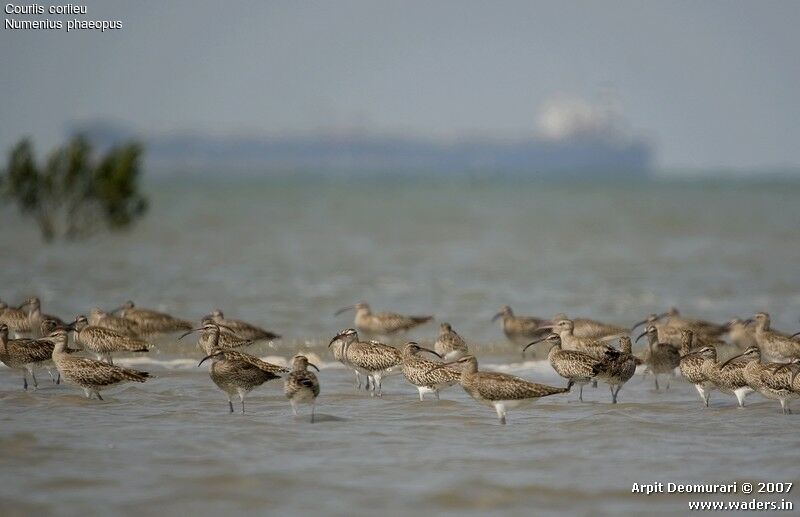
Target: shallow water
{"points": [[288, 255]]}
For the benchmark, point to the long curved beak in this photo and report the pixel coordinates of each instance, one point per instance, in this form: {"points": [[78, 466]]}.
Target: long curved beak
{"points": [[209, 357], [431, 352], [795, 335], [189, 332], [533, 343], [548, 326], [643, 334], [314, 366], [729, 360], [639, 324], [344, 309], [494, 318]]}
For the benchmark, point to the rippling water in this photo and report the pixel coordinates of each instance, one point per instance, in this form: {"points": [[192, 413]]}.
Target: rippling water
{"points": [[287, 255]]}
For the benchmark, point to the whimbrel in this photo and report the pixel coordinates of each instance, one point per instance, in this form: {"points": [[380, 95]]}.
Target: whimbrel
{"points": [[727, 377], [691, 366], [520, 329], [772, 380], [617, 368], [566, 330], [592, 329], [336, 346], [151, 322], [212, 337], [301, 386], [93, 376], [661, 358], [373, 359], [673, 318], [237, 373], [24, 354], [500, 390], [575, 366], [776, 346], [382, 323], [243, 329], [122, 326], [669, 331], [449, 345], [17, 320], [423, 374], [103, 341]]}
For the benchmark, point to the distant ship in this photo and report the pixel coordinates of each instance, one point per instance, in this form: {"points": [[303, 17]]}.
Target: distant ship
{"points": [[573, 139]]}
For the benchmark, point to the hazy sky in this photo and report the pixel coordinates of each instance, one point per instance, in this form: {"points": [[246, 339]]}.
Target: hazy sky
{"points": [[712, 84]]}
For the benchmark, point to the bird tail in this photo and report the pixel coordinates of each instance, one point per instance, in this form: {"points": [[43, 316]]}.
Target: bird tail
{"points": [[134, 375]]}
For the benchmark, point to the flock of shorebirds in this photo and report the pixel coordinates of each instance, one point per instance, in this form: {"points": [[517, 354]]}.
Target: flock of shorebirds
{"points": [[579, 350]]}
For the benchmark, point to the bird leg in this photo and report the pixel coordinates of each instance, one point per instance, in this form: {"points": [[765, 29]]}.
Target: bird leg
{"points": [[294, 408], [613, 395], [25, 381], [580, 393], [594, 383], [35, 384], [98, 395], [655, 379], [230, 405], [313, 404], [501, 413]]}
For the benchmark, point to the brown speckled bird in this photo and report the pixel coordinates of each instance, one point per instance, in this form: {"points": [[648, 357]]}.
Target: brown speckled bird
{"points": [[521, 329], [90, 375], [617, 367], [373, 359], [575, 366], [772, 380], [592, 329], [24, 354], [727, 377], [100, 318], [422, 374], [241, 328], [150, 322], [449, 345], [691, 366], [382, 323], [237, 373], [103, 341], [775, 346], [661, 358], [301, 386], [500, 390], [212, 337]]}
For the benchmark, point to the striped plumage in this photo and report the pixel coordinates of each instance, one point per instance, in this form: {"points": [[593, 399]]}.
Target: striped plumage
{"points": [[772, 380], [691, 366], [775, 346], [93, 376], [727, 377], [520, 329], [24, 354], [569, 341], [371, 358], [592, 329], [242, 329], [212, 336], [17, 320], [237, 373], [617, 367], [103, 341], [100, 318], [150, 322], [382, 323], [500, 390], [423, 373], [573, 365], [301, 386], [449, 344], [661, 358]]}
